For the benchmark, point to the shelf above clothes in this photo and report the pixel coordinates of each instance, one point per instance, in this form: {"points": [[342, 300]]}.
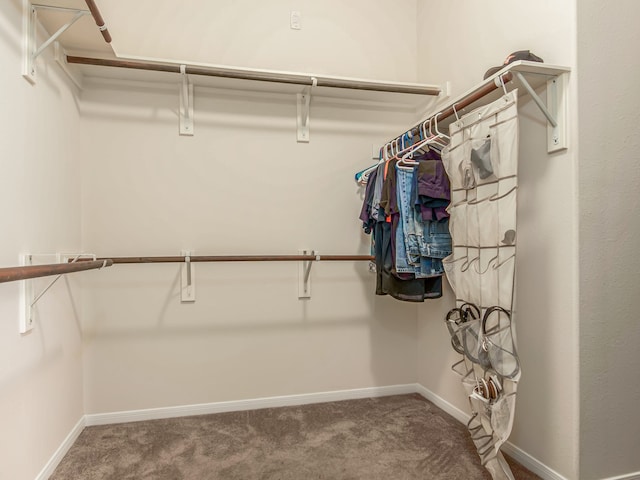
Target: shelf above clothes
{"points": [[303, 85], [103, 62], [260, 75], [533, 76]]}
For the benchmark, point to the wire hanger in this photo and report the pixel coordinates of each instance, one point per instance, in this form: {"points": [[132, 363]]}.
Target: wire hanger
{"points": [[436, 138], [406, 161], [362, 177], [429, 139], [403, 148]]}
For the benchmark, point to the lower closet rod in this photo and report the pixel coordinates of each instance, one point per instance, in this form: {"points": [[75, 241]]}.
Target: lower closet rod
{"points": [[239, 258], [11, 274]]}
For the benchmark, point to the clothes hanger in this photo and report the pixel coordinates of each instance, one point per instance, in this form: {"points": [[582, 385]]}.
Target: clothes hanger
{"points": [[423, 144], [400, 149], [406, 162], [403, 153], [428, 139], [391, 151], [436, 138], [362, 177]]}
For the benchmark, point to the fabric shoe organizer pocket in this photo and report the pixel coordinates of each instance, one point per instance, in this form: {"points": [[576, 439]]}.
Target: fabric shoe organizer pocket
{"points": [[497, 340], [494, 272], [491, 152], [458, 217], [492, 418], [483, 153], [484, 147], [479, 426], [493, 144], [456, 159], [457, 320], [462, 278], [473, 345], [504, 143], [453, 265], [505, 273], [502, 414], [491, 219]]}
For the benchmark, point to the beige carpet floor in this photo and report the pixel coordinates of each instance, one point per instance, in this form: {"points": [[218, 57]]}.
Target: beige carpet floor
{"points": [[402, 437]]}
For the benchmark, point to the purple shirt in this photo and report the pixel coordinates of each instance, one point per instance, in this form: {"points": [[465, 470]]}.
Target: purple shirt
{"points": [[432, 192]]}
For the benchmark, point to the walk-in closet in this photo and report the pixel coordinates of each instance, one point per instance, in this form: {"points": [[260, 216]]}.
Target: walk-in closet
{"points": [[335, 240]]}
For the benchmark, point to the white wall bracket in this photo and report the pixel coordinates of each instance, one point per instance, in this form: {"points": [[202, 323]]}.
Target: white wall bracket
{"points": [[30, 31], [554, 111], [304, 105], [557, 102], [186, 103], [26, 318], [28, 297], [187, 279], [304, 273]]}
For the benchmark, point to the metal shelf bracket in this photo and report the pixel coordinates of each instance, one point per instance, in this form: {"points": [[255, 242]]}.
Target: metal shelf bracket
{"points": [[555, 111], [557, 102], [30, 30], [304, 273], [187, 279], [304, 104], [28, 297], [186, 103]]}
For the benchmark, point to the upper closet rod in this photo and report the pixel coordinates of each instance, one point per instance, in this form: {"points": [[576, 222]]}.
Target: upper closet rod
{"points": [[465, 102], [97, 16], [262, 75], [236, 258], [11, 274]]}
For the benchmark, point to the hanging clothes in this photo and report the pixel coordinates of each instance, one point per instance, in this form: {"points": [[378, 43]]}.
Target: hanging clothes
{"points": [[405, 211]]}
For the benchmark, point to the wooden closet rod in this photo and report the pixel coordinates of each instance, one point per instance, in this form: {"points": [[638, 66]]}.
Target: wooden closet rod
{"points": [[237, 258], [263, 76], [11, 274], [97, 16], [465, 102]]}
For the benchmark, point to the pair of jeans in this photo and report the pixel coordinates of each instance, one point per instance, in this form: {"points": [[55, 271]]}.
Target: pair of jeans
{"points": [[436, 239], [420, 245], [387, 283]]}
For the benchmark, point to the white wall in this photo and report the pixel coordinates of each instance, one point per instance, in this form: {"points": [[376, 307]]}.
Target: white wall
{"points": [[609, 228], [458, 41], [359, 38], [40, 373], [241, 185]]}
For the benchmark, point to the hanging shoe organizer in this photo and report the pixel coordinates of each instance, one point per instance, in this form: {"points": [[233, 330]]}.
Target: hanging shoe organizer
{"points": [[482, 163]]}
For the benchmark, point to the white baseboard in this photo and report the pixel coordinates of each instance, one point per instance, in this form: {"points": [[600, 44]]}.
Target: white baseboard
{"points": [[628, 476], [62, 450], [438, 401], [531, 463], [509, 448], [251, 404]]}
